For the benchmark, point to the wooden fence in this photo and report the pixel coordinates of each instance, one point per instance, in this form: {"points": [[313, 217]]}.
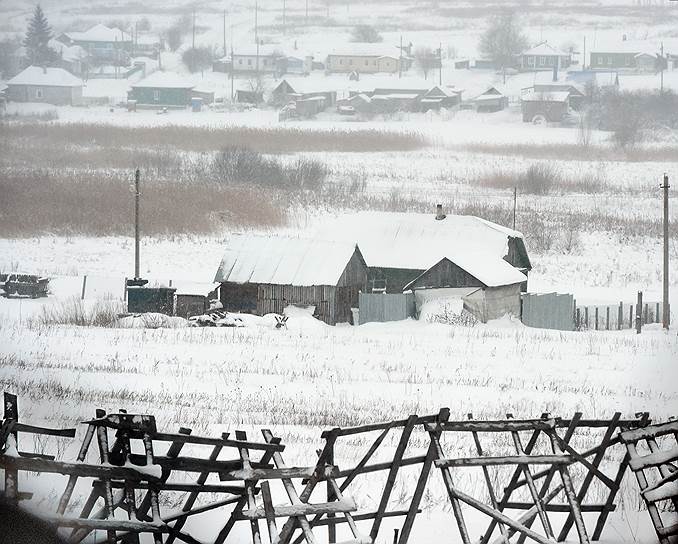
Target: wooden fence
{"points": [[616, 317], [136, 483]]}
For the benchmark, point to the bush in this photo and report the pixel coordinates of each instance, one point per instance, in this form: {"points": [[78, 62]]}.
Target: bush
{"points": [[198, 58], [539, 179], [75, 311], [242, 165], [366, 34]]}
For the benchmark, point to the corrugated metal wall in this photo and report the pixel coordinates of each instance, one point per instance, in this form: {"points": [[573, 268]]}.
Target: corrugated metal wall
{"points": [[381, 307], [548, 311]]}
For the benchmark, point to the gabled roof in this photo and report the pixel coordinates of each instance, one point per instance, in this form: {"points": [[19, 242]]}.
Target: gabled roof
{"points": [[307, 85], [545, 96], [265, 50], [443, 90], [68, 52], [600, 78], [48, 77], [281, 260], [490, 94], [545, 49], [164, 80], [416, 241], [365, 50], [490, 271], [100, 33]]}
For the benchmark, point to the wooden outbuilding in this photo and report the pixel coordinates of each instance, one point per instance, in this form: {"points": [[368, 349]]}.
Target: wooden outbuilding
{"points": [[266, 274], [400, 247]]}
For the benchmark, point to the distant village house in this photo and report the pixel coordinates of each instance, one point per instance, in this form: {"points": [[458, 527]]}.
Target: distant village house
{"points": [[42, 84], [103, 44], [544, 57]]}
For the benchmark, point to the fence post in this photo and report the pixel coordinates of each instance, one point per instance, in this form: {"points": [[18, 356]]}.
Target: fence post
{"points": [[607, 318], [645, 314], [630, 316], [596, 317], [124, 294], [620, 316], [578, 322], [656, 314], [586, 316], [84, 285], [639, 312], [12, 475]]}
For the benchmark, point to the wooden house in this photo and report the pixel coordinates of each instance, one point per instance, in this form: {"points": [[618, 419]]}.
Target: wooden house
{"points": [[490, 101], [440, 97], [399, 247], [626, 56], [103, 44], [49, 85], [167, 89], [294, 90], [261, 275], [544, 57], [545, 107], [367, 59]]}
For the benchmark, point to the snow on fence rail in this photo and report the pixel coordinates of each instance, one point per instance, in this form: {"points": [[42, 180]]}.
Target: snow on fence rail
{"points": [[553, 446]]}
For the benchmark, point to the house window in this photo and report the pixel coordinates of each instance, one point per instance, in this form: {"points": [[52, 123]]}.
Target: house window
{"points": [[341, 61], [609, 61], [627, 61], [600, 60], [240, 61], [542, 61], [156, 95], [350, 61], [249, 62], [38, 93], [530, 61], [367, 62]]}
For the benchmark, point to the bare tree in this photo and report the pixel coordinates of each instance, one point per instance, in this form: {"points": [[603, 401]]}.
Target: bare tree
{"points": [[427, 59], [503, 41]]}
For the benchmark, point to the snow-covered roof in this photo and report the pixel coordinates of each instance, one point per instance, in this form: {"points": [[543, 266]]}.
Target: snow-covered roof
{"points": [[417, 241], [491, 271], [365, 50], [48, 77], [265, 50], [599, 77], [545, 49], [281, 260], [165, 80], [100, 33], [627, 46], [445, 90], [307, 85], [545, 96], [68, 52]]}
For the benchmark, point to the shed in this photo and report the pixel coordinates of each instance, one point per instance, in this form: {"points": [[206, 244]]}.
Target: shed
{"points": [[499, 283], [49, 85], [399, 247], [293, 90], [545, 106], [265, 274], [490, 101], [162, 89], [194, 298], [440, 97]]}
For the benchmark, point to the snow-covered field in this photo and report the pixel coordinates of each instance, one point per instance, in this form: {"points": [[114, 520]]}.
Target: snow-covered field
{"points": [[310, 377]]}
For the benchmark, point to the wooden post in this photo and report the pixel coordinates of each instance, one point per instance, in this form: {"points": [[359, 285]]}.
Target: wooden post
{"points": [[607, 318], [620, 316], [395, 536], [646, 314], [12, 475], [124, 295], [331, 497], [656, 314], [630, 316], [578, 323], [586, 316], [596, 317], [84, 286], [639, 312]]}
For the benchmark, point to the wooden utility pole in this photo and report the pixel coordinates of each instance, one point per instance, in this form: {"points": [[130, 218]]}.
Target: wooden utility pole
{"points": [[665, 292], [515, 201], [661, 85], [232, 64], [284, 26], [137, 194], [400, 60], [193, 40], [306, 13], [224, 33], [440, 65]]}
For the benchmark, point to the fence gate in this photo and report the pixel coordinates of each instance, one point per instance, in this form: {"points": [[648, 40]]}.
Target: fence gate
{"points": [[548, 311], [380, 307]]}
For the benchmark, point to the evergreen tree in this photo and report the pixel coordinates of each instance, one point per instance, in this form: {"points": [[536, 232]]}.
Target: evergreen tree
{"points": [[37, 39]]}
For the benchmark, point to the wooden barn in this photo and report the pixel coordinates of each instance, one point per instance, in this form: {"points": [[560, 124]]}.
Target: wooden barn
{"points": [[399, 247], [498, 283], [265, 274], [545, 107], [490, 101]]}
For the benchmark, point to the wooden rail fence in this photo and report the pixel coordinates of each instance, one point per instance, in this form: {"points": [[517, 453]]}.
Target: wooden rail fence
{"points": [[127, 486]]}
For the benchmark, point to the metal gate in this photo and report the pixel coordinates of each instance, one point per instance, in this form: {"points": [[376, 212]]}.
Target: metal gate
{"points": [[548, 311]]}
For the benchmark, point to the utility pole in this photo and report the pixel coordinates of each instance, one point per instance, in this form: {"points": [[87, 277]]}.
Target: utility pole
{"points": [[400, 60], [306, 13], [661, 86], [583, 60], [284, 26], [440, 65], [256, 37], [665, 294], [137, 194], [515, 202], [224, 33], [193, 41], [232, 64]]}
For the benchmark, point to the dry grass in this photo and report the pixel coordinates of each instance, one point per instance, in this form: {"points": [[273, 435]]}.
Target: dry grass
{"points": [[262, 139], [575, 152], [38, 202]]}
